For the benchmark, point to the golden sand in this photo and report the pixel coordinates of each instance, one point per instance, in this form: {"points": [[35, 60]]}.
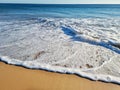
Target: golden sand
{"points": [[19, 78]]}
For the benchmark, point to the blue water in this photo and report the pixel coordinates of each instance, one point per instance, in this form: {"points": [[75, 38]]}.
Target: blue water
{"points": [[62, 31], [62, 11]]}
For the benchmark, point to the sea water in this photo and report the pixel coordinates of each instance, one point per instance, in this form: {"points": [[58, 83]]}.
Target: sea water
{"points": [[77, 39]]}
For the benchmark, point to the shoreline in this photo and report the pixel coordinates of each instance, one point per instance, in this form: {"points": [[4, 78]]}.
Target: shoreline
{"points": [[20, 78], [82, 74]]}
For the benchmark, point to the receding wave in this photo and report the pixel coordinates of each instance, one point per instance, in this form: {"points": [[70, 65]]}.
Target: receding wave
{"points": [[89, 47]]}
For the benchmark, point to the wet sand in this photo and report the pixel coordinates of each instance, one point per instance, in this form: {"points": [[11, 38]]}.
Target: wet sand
{"points": [[19, 78]]}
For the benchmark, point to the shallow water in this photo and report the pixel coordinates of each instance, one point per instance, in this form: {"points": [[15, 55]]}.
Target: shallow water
{"points": [[80, 39]]}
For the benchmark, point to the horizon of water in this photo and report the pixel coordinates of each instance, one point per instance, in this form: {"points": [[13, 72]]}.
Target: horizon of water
{"points": [[62, 10]]}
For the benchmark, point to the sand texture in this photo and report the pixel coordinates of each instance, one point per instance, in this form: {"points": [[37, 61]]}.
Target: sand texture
{"points": [[19, 78]]}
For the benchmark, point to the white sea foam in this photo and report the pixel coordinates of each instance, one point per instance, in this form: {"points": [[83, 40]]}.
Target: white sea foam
{"points": [[88, 47]]}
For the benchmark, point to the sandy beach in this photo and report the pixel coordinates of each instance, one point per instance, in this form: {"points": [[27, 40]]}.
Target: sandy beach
{"points": [[19, 78]]}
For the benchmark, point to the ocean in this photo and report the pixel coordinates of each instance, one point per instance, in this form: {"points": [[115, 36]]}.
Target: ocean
{"points": [[81, 39]]}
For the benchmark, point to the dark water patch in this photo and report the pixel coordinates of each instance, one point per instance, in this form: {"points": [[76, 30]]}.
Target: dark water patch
{"points": [[70, 32]]}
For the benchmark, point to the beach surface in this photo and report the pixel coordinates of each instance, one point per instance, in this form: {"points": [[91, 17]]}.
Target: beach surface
{"points": [[19, 78]]}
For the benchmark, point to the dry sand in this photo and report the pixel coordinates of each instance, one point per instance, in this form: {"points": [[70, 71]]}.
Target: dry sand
{"points": [[19, 78]]}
